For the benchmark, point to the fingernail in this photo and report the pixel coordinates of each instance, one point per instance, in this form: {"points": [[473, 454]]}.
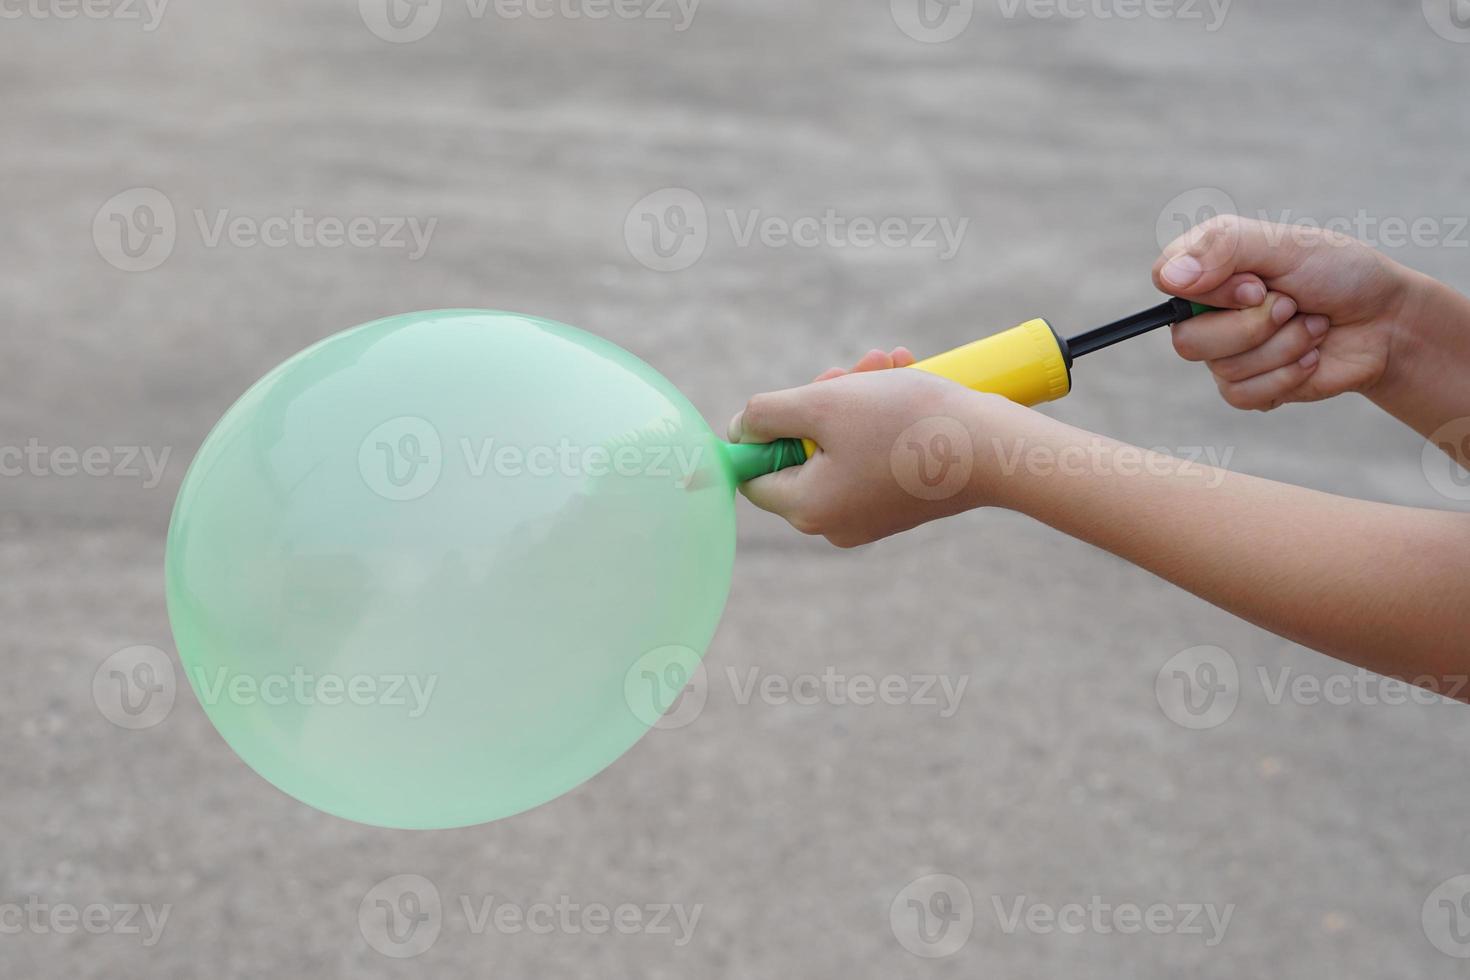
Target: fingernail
{"points": [[1182, 270], [1317, 325], [1310, 360], [1283, 310], [1250, 294], [732, 431]]}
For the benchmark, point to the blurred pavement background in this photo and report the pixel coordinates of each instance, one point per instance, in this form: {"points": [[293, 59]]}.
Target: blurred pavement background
{"points": [[525, 142]]}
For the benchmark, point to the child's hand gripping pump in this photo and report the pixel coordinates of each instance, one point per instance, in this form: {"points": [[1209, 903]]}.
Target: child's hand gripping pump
{"points": [[1029, 364]]}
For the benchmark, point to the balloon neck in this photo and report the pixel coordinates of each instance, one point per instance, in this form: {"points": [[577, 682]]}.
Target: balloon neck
{"points": [[750, 460]]}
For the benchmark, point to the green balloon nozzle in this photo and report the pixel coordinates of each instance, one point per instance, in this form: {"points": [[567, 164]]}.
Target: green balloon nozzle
{"points": [[749, 460]]}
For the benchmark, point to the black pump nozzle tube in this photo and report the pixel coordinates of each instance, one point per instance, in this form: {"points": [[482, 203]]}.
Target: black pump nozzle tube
{"points": [[1174, 311]]}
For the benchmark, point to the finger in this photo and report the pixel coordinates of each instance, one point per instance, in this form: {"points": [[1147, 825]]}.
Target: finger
{"points": [[903, 357], [1266, 391], [829, 374], [1211, 336], [873, 360], [1287, 346], [779, 492], [1240, 292], [774, 415], [1206, 256]]}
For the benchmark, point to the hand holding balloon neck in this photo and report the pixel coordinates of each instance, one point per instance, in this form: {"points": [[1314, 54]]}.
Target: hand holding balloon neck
{"points": [[1029, 364]]}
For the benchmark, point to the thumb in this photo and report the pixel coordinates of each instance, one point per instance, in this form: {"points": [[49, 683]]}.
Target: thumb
{"points": [[1221, 252], [792, 413]]}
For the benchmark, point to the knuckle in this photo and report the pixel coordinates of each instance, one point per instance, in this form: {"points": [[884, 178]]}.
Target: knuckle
{"points": [[1228, 369], [1236, 397], [756, 410], [1184, 345], [1259, 327], [1333, 238], [1302, 340], [1222, 228], [1222, 224], [805, 522]]}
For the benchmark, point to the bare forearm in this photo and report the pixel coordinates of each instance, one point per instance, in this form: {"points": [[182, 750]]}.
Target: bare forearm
{"points": [[1383, 587]]}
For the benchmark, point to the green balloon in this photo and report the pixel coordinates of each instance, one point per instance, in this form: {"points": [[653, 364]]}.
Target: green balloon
{"points": [[446, 566]]}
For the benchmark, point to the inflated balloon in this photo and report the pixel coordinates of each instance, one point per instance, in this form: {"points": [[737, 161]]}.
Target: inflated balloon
{"points": [[446, 566]]}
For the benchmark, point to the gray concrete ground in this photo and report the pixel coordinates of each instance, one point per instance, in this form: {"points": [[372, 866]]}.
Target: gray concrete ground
{"points": [[1066, 141]]}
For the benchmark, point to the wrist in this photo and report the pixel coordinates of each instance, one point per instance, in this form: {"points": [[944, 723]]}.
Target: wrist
{"points": [[1006, 438], [1429, 336]]}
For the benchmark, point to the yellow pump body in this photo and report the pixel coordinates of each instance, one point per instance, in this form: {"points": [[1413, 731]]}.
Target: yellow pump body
{"points": [[1024, 363]]}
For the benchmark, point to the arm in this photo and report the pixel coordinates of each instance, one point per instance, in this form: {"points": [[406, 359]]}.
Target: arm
{"points": [[1382, 587], [1308, 315]]}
